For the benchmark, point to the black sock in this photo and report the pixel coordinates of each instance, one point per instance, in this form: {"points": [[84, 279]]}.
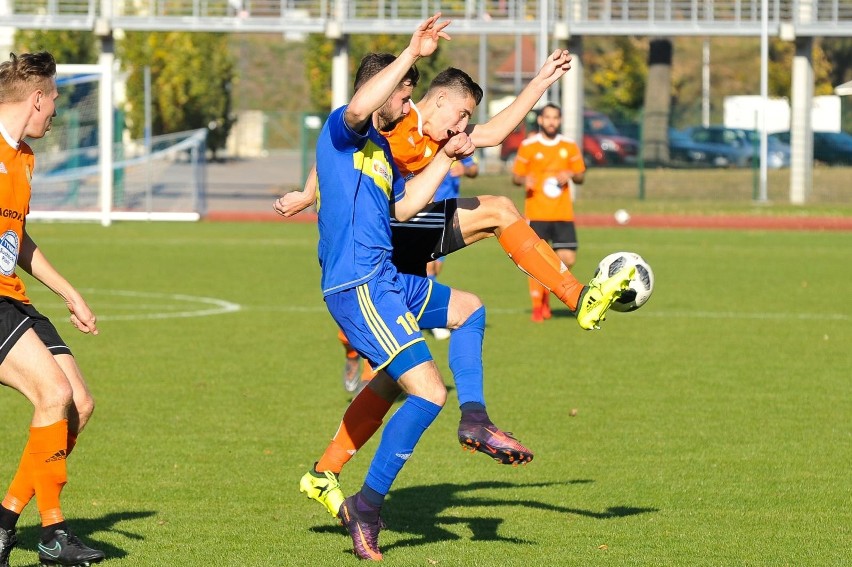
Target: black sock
{"points": [[474, 412], [48, 531], [369, 502], [8, 519]]}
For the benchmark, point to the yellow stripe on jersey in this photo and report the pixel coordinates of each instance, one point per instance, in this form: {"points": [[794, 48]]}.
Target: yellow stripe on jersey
{"points": [[425, 303], [383, 335], [373, 162]]}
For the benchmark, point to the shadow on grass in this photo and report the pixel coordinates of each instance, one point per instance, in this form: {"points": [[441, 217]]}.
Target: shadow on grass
{"points": [[418, 511], [28, 536]]}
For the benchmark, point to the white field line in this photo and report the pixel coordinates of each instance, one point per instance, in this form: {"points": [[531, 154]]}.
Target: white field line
{"points": [[200, 306], [189, 305]]}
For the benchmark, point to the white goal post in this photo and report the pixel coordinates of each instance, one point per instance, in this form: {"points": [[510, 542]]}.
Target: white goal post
{"points": [[83, 173]]}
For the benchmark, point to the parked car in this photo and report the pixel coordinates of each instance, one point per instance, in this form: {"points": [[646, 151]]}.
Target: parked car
{"points": [[832, 148], [602, 144], [606, 140], [683, 149], [730, 146], [777, 150]]}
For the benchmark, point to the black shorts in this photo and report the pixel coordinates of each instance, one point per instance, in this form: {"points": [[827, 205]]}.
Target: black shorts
{"points": [[16, 317], [561, 234], [430, 234]]}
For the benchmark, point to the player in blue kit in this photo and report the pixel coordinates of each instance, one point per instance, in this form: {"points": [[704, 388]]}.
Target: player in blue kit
{"points": [[379, 309]]}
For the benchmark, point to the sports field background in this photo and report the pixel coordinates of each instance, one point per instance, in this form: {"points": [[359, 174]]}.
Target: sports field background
{"points": [[712, 426]]}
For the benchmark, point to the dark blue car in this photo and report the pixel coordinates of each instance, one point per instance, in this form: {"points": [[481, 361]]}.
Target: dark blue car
{"points": [[832, 148]]}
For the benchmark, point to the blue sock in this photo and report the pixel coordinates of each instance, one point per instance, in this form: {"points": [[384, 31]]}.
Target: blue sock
{"points": [[465, 357], [401, 434]]}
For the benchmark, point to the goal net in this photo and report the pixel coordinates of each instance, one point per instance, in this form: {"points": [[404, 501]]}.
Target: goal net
{"points": [[85, 171]]}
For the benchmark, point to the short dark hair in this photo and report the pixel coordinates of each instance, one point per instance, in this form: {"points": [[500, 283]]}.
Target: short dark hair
{"points": [[373, 63], [21, 75], [457, 80], [552, 105]]}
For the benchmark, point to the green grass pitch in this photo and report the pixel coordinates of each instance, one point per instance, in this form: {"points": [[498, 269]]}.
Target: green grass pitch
{"points": [[712, 425]]}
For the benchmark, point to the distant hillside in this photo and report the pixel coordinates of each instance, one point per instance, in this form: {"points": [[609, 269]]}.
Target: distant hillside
{"points": [[272, 76]]}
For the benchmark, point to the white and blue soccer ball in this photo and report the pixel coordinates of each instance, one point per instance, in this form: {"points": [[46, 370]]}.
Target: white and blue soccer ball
{"points": [[641, 286]]}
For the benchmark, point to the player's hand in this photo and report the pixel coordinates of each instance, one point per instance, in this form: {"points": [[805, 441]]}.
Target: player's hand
{"points": [[459, 146], [556, 65], [292, 203], [81, 315], [424, 42], [562, 178]]}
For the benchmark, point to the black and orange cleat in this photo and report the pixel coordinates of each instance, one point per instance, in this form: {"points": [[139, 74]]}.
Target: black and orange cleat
{"points": [[364, 531], [488, 439]]}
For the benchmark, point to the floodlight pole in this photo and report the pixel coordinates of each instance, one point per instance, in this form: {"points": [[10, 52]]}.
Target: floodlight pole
{"points": [[103, 31], [764, 95]]}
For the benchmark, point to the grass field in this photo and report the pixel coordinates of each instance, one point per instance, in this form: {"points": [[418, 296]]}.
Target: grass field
{"points": [[712, 426], [691, 191]]}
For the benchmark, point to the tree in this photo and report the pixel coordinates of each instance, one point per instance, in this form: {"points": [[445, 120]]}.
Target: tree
{"points": [[616, 76], [66, 46], [191, 78], [321, 49], [779, 73]]}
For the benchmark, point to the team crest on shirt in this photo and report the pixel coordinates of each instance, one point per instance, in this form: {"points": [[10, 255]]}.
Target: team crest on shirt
{"points": [[563, 153], [8, 252]]}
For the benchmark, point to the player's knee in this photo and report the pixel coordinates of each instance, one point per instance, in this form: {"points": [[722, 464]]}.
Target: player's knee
{"points": [[436, 392], [501, 210], [462, 305], [85, 405], [53, 396]]}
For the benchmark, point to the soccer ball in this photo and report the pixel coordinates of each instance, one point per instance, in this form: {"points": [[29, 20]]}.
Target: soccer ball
{"points": [[641, 285]]}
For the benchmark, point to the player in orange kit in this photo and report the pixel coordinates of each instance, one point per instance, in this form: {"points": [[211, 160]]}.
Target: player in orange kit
{"points": [[33, 358], [546, 165]]}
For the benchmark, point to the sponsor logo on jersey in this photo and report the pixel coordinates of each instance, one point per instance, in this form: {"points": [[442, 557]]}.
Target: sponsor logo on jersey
{"points": [[8, 252], [11, 214]]}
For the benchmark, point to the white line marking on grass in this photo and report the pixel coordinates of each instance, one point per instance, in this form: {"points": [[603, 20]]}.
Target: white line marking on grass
{"points": [[157, 311], [761, 316], [644, 313]]}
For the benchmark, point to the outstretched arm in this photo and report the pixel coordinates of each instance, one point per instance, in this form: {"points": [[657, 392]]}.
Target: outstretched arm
{"points": [[494, 131], [295, 202], [375, 92], [420, 190], [35, 263]]}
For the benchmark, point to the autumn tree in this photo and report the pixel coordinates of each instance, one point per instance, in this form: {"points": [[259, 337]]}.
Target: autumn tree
{"points": [[191, 79], [66, 46], [616, 76], [321, 49]]}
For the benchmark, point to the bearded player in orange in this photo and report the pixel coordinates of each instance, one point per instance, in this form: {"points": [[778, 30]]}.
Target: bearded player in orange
{"points": [[33, 358], [442, 228], [546, 165]]}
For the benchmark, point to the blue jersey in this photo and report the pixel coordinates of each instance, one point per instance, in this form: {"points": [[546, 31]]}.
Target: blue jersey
{"points": [[450, 187], [357, 182]]}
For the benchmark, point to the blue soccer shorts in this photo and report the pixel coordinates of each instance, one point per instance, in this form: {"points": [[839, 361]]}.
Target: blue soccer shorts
{"points": [[382, 318]]}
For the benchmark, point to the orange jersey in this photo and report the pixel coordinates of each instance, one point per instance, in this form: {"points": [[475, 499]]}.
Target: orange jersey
{"points": [[540, 160], [16, 170], [412, 149]]}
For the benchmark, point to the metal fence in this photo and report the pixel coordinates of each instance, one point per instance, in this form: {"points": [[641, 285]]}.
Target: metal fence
{"points": [[578, 17]]}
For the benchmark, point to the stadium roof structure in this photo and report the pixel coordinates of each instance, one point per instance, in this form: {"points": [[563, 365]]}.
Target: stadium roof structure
{"points": [[843, 90], [815, 18]]}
